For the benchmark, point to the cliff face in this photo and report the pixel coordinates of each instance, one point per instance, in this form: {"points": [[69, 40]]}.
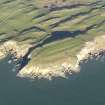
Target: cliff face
{"points": [[12, 47], [49, 34], [92, 50]]}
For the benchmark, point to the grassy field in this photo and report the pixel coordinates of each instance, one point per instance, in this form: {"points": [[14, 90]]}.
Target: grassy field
{"points": [[61, 26]]}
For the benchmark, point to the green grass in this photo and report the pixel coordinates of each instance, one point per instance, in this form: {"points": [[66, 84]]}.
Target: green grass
{"points": [[18, 16]]}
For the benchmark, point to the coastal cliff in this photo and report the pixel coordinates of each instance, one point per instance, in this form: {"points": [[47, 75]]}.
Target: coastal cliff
{"points": [[13, 48], [92, 49], [51, 38]]}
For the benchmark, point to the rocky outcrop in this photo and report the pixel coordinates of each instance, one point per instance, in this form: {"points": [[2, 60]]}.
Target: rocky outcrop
{"points": [[92, 49], [13, 48], [47, 71]]}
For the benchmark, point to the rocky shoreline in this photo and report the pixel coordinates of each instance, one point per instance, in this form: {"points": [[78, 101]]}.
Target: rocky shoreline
{"points": [[14, 48], [15, 51], [92, 50]]}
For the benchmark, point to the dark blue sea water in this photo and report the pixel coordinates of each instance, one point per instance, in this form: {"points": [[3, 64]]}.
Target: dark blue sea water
{"points": [[84, 88]]}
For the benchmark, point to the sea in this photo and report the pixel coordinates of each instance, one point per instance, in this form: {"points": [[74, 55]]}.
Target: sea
{"points": [[84, 88]]}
